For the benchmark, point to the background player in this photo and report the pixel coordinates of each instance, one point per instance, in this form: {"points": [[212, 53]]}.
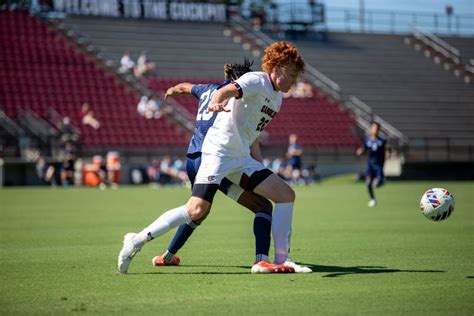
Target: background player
{"points": [[294, 153], [257, 204], [377, 149]]}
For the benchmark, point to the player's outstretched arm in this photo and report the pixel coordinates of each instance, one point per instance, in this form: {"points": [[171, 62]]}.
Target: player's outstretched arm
{"points": [[220, 98], [179, 89]]}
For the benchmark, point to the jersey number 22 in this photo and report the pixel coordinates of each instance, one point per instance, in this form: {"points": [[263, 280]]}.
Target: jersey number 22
{"points": [[261, 125]]}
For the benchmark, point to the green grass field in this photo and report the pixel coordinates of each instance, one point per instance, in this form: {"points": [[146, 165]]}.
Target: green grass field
{"points": [[59, 249]]}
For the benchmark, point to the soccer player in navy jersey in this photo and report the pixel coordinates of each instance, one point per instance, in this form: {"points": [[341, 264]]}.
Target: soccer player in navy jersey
{"points": [[245, 107], [377, 150], [261, 206]]}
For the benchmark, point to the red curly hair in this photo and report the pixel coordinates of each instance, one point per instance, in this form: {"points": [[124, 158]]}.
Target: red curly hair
{"points": [[282, 54]]}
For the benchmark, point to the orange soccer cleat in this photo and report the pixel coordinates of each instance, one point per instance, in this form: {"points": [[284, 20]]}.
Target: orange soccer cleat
{"points": [[159, 261], [266, 267]]}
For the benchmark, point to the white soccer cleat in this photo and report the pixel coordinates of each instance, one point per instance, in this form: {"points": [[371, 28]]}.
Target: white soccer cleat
{"points": [[297, 267], [129, 250], [372, 203]]}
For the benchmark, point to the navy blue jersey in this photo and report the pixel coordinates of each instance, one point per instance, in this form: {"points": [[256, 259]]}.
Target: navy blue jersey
{"points": [[204, 120], [295, 161], [376, 150]]}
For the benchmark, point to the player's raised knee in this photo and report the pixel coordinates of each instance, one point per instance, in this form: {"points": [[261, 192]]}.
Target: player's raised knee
{"points": [[197, 213], [291, 195], [197, 208]]}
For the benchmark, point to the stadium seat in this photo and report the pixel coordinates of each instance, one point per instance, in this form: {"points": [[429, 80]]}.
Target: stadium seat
{"points": [[41, 69]]}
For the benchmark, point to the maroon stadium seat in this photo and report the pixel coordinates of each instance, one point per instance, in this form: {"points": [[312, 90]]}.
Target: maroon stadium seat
{"points": [[41, 69]]}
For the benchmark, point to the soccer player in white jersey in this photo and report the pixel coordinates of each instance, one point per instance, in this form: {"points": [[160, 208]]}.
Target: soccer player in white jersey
{"points": [[259, 205], [255, 98]]}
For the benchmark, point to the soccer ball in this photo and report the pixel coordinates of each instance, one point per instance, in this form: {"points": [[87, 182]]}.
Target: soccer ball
{"points": [[437, 204]]}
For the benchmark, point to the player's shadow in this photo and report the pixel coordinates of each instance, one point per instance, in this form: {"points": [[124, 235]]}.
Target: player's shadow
{"points": [[470, 277], [336, 271], [214, 266], [332, 271], [163, 270], [195, 273]]}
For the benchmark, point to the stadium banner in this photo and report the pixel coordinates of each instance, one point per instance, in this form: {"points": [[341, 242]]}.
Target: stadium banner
{"points": [[148, 9]]}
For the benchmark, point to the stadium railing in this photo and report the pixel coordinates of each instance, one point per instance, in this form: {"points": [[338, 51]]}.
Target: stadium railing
{"points": [[175, 111], [436, 43], [469, 76], [441, 51], [365, 115], [396, 21], [10, 126], [441, 149]]}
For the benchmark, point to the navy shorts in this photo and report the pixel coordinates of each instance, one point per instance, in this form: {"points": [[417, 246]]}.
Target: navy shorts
{"points": [[375, 171], [295, 162]]}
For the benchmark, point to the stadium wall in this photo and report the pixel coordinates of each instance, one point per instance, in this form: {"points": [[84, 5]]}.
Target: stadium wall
{"points": [[438, 171], [19, 173], [24, 173]]}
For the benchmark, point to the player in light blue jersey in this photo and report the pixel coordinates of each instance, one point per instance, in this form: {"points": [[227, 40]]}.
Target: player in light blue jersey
{"points": [[377, 149], [255, 203]]}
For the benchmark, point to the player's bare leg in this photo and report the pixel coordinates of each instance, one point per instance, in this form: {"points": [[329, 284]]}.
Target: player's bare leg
{"points": [[370, 188], [257, 204], [132, 243], [169, 258]]}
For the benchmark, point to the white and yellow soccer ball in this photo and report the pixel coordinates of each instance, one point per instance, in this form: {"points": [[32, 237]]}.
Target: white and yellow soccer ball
{"points": [[437, 204]]}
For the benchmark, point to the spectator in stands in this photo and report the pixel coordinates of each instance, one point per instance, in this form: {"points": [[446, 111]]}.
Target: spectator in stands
{"points": [[278, 167], [68, 132], [149, 107], [294, 152], [95, 174], [67, 169], [141, 106], [143, 66], [257, 14], [154, 172], [168, 169], [126, 63], [88, 117], [310, 174], [113, 169], [101, 170], [180, 171], [300, 91], [304, 89], [153, 108]]}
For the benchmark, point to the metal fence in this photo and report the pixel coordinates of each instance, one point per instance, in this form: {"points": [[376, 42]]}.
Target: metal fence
{"points": [[398, 22], [445, 149]]}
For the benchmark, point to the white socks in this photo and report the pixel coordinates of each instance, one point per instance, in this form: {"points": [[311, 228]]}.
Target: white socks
{"points": [[281, 230], [164, 223]]}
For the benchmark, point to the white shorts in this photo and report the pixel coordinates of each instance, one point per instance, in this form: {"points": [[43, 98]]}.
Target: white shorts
{"points": [[214, 168]]}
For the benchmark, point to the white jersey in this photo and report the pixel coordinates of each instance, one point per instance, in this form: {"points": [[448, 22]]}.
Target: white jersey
{"points": [[233, 132]]}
